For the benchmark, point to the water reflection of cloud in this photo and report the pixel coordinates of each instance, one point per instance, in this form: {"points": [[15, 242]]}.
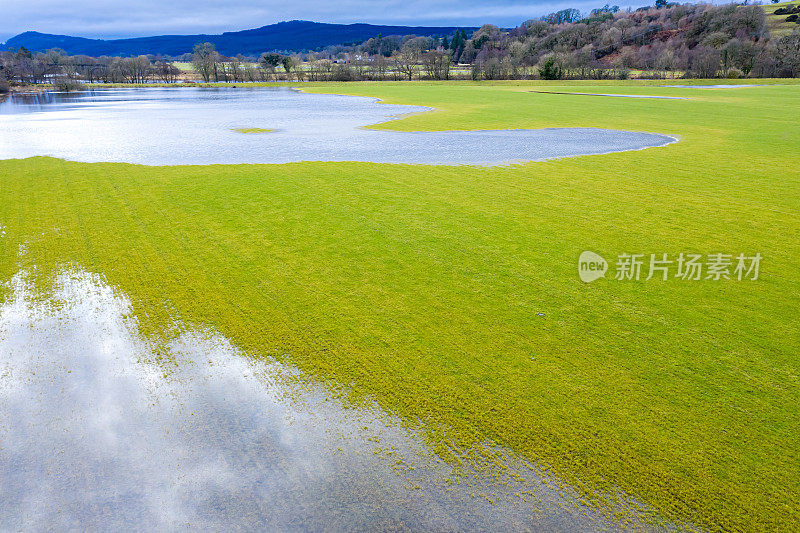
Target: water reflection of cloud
{"points": [[180, 126], [95, 433]]}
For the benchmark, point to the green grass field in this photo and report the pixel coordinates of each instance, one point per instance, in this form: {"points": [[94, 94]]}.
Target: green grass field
{"points": [[450, 294]]}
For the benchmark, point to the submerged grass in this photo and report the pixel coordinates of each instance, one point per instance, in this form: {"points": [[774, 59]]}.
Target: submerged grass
{"points": [[450, 294], [252, 130]]}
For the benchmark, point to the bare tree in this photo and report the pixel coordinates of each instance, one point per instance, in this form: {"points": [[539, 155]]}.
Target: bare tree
{"points": [[704, 62], [236, 68], [204, 60], [379, 67], [166, 72], [437, 64], [787, 51], [407, 64]]}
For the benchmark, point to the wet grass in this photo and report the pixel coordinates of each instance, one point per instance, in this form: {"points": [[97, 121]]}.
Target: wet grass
{"points": [[252, 130], [450, 294]]}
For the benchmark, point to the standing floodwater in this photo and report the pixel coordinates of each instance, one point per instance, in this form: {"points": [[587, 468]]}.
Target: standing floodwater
{"points": [[99, 432], [199, 126]]}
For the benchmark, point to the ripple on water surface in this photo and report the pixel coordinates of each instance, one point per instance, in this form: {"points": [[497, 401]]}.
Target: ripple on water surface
{"points": [[182, 126]]}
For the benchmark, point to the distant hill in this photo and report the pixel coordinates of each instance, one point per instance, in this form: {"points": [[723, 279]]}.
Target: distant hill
{"points": [[296, 36]]}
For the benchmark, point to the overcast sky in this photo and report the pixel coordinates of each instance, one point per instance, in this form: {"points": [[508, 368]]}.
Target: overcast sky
{"points": [[131, 18]]}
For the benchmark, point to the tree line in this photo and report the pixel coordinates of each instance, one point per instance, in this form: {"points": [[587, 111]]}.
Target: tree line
{"points": [[664, 40], [27, 67], [696, 41]]}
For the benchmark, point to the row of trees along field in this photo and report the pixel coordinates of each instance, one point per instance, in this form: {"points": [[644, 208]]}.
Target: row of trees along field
{"points": [[666, 40]]}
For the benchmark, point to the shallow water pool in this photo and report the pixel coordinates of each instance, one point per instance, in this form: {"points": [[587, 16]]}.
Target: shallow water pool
{"points": [[198, 126], [100, 432]]}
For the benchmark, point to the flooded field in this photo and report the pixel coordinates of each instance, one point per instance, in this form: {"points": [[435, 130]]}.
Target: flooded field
{"points": [[99, 431], [205, 126]]}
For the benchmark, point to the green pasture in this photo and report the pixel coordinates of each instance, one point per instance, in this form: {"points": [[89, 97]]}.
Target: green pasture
{"points": [[450, 295], [777, 23], [183, 66]]}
